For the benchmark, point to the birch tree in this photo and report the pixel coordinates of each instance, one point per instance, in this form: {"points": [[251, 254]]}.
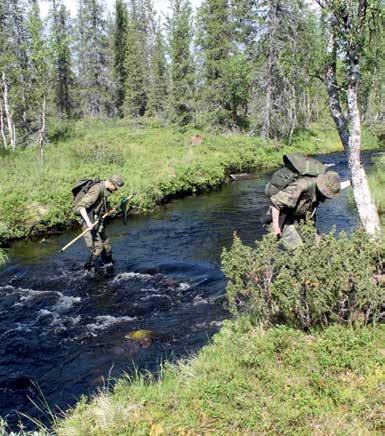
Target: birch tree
{"points": [[347, 23]]}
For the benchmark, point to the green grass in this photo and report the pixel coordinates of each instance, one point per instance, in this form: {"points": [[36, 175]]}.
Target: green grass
{"points": [[377, 184], [252, 381], [156, 163]]}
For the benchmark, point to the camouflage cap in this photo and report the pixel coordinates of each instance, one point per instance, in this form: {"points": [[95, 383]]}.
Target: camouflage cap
{"points": [[329, 184], [117, 180]]}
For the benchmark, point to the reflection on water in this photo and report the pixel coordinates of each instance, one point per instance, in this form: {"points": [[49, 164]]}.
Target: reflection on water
{"points": [[67, 331]]}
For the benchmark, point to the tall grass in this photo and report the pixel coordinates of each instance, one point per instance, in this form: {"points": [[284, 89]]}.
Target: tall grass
{"points": [[377, 184]]}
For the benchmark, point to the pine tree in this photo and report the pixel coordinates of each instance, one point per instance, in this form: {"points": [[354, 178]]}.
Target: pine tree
{"points": [[180, 36], [62, 62]]}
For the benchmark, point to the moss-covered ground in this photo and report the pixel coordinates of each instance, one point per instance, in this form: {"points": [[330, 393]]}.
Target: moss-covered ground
{"points": [[252, 381], [156, 163]]}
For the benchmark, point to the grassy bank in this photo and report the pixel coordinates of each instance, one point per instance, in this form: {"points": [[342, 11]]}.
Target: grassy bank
{"points": [[279, 381], [156, 163]]}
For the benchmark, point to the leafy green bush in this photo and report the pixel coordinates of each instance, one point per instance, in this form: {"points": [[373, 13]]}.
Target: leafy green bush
{"points": [[327, 280]]}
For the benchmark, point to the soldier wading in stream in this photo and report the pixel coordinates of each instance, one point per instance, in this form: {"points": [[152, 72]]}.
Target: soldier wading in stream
{"points": [[91, 203], [295, 190]]}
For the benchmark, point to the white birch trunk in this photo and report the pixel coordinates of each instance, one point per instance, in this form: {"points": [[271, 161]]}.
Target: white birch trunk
{"points": [[5, 143], [42, 130], [367, 209], [350, 137], [8, 114]]}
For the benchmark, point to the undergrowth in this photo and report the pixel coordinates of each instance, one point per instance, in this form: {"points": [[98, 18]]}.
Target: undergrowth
{"points": [[327, 280]]}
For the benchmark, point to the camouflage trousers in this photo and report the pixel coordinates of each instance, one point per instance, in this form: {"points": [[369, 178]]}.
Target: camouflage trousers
{"points": [[291, 236], [97, 241]]}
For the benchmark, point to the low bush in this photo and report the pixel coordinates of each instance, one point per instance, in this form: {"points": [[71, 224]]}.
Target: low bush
{"points": [[328, 280]]}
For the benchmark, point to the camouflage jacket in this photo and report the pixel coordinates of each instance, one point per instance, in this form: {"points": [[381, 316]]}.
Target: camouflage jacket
{"points": [[95, 200], [297, 199]]}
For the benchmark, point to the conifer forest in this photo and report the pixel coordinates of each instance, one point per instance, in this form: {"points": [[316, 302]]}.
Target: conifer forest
{"points": [[229, 65]]}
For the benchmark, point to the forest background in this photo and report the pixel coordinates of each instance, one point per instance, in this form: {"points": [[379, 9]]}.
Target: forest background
{"points": [[234, 66]]}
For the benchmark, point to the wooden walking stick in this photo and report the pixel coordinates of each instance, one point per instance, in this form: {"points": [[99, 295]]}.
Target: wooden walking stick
{"points": [[85, 231]]}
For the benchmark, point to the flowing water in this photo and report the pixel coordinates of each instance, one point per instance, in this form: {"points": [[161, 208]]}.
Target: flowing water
{"points": [[65, 333]]}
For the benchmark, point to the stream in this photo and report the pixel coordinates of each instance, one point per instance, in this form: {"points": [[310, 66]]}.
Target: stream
{"points": [[65, 333]]}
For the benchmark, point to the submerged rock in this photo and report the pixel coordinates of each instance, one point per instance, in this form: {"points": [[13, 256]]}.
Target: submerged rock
{"points": [[142, 337]]}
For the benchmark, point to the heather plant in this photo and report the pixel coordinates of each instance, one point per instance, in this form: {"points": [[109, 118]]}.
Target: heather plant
{"points": [[327, 280]]}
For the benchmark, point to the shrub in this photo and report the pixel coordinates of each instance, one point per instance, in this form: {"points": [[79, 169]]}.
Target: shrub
{"points": [[327, 280]]}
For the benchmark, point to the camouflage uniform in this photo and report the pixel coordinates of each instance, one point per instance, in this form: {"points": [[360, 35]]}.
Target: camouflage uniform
{"points": [[95, 203], [296, 202]]}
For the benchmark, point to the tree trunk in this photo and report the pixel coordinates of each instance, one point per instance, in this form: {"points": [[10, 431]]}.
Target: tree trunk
{"points": [[8, 114], [5, 144], [350, 137], [362, 196], [42, 130]]}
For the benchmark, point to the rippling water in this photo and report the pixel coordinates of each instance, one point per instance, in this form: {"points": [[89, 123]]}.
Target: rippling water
{"points": [[64, 332]]}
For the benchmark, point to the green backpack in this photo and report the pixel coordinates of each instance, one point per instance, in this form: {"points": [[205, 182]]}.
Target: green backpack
{"points": [[81, 188], [295, 165]]}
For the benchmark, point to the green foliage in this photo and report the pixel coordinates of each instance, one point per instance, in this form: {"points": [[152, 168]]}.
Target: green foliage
{"points": [[327, 280], [330, 381]]}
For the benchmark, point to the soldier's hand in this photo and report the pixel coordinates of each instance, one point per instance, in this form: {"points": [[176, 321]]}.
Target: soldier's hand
{"points": [[277, 231]]}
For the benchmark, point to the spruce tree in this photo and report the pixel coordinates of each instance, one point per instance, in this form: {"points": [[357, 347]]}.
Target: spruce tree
{"points": [[135, 101], [180, 36], [120, 49], [226, 76], [157, 94], [38, 72], [60, 42], [93, 60], [284, 50]]}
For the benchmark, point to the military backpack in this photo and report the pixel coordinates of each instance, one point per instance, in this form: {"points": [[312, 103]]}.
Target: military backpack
{"points": [[81, 188], [296, 165]]}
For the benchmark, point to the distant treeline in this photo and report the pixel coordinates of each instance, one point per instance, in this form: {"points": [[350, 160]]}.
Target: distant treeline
{"points": [[233, 65]]}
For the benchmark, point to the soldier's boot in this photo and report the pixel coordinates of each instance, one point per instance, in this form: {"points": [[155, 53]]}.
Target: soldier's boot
{"points": [[108, 262], [90, 265]]}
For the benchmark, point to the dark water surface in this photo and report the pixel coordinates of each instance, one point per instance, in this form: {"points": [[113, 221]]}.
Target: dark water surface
{"points": [[65, 331]]}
